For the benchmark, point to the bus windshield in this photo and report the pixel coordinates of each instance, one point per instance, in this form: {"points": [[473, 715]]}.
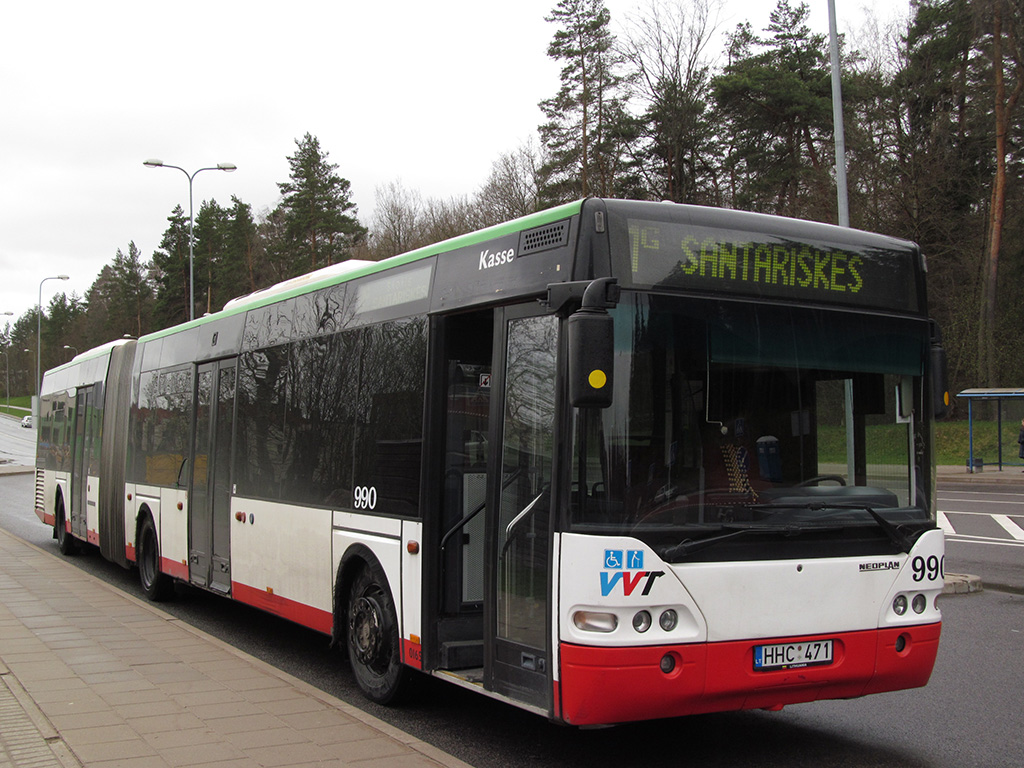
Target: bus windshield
{"points": [[745, 423]]}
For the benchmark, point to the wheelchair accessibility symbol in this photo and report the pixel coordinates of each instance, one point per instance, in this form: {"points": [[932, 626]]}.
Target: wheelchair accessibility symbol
{"points": [[625, 567]]}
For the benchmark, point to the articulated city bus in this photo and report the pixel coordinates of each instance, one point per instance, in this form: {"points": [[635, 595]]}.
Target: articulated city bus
{"points": [[612, 461]]}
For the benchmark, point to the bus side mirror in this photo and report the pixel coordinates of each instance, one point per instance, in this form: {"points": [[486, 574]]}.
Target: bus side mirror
{"points": [[939, 375], [591, 332]]}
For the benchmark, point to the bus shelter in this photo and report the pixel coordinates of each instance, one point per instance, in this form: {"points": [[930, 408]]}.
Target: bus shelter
{"points": [[999, 395]]}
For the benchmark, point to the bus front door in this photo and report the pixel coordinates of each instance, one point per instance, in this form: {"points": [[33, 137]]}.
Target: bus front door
{"points": [[209, 563], [518, 625]]}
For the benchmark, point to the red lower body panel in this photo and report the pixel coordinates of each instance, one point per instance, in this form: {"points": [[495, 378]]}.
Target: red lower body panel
{"points": [[266, 600], [614, 685]]}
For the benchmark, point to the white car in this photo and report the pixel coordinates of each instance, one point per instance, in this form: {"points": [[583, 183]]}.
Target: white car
{"points": [[27, 421]]}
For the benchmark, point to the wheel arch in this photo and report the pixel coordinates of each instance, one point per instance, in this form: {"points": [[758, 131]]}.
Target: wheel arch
{"points": [[140, 517], [356, 557], [58, 506]]}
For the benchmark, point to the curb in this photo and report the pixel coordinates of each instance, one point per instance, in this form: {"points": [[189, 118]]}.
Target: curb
{"points": [[16, 469], [962, 584]]}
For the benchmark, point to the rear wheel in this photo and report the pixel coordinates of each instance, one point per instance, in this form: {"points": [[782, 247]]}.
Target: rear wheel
{"points": [[373, 643], [65, 541], [157, 586]]}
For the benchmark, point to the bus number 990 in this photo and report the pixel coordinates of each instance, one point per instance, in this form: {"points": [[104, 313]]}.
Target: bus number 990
{"points": [[365, 497], [930, 569]]}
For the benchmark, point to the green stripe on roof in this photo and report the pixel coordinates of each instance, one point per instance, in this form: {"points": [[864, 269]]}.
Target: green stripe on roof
{"points": [[462, 241]]}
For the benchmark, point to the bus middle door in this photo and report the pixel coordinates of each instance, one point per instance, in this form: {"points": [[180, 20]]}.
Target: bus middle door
{"points": [[209, 561]]}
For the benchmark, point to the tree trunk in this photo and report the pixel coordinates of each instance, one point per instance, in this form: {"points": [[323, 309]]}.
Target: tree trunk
{"points": [[1004, 108]]}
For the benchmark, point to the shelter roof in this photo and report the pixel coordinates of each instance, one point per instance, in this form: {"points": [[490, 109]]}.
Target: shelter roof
{"points": [[993, 393]]}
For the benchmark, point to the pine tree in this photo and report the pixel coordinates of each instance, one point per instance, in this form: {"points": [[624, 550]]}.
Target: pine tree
{"points": [[170, 273], [775, 93], [320, 217], [211, 227], [585, 129], [131, 307], [235, 271]]}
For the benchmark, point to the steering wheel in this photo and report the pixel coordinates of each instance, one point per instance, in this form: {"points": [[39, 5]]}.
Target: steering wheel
{"points": [[820, 479]]}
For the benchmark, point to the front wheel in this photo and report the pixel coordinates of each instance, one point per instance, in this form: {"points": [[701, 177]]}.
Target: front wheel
{"points": [[373, 644], [157, 586]]}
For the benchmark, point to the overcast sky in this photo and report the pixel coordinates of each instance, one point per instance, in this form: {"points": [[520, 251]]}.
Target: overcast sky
{"points": [[426, 93]]}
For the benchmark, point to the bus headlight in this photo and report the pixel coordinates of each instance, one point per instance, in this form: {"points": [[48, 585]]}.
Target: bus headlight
{"points": [[919, 604], [594, 621], [899, 605], [642, 621], [668, 620]]}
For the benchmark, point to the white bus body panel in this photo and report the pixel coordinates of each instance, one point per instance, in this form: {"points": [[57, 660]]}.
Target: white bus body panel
{"points": [[92, 508], [720, 602], [283, 550], [173, 527], [412, 580]]}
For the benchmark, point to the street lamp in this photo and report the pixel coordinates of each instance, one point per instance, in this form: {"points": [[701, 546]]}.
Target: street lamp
{"points": [[39, 336], [7, 389], [73, 349], [228, 167], [7, 359]]}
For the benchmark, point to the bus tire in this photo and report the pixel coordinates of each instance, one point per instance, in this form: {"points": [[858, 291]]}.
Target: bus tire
{"points": [[65, 541], [158, 586], [372, 637]]}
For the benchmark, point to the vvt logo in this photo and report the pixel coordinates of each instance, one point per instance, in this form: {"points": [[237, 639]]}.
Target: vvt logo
{"points": [[625, 566]]}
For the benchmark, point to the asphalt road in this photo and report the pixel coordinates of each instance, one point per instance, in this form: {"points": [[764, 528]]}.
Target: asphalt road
{"points": [[968, 715], [985, 533]]}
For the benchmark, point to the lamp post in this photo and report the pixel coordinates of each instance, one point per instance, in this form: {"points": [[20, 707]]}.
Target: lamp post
{"points": [[227, 167], [29, 352], [73, 349], [7, 359], [39, 336], [7, 389]]}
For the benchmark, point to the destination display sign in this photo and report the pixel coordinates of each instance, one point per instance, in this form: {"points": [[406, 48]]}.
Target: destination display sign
{"points": [[677, 255]]}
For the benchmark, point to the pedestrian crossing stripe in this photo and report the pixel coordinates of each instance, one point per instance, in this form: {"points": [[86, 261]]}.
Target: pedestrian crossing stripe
{"points": [[1007, 523]]}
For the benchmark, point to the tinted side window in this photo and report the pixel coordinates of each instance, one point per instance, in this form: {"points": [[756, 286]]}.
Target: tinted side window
{"points": [[162, 424], [321, 417], [263, 448], [389, 439]]}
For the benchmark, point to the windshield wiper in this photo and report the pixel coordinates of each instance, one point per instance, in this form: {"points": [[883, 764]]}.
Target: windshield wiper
{"points": [[689, 546], [896, 535]]}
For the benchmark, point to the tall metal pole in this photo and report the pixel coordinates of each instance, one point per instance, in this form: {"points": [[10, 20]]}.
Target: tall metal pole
{"points": [[7, 389], [228, 167], [7, 359], [843, 204], [837, 119]]}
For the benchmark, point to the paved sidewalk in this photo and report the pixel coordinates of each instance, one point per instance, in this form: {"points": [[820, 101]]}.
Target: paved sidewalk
{"points": [[92, 677], [989, 475]]}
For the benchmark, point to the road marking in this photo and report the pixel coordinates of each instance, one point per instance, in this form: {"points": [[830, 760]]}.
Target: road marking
{"points": [[1010, 527], [947, 497], [962, 539], [944, 524], [1005, 522], [965, 512]]}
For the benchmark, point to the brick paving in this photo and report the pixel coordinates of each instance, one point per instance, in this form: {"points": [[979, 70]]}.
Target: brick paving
{"points": [[92, 677]]}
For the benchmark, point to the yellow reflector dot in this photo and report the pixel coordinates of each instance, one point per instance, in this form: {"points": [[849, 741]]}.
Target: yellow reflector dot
{"points": [[597, 379]]}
